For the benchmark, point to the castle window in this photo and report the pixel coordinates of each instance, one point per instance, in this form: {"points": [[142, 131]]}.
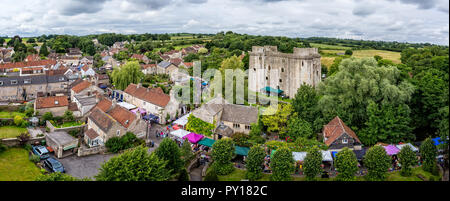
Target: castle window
{"points": [[267, 78], [282, 70], [254, 69], [302, 63], [281, 80]]}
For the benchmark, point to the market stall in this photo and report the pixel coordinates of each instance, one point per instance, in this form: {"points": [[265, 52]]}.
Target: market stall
{"points": [[180, 133], [391, 150], [194, 138]]}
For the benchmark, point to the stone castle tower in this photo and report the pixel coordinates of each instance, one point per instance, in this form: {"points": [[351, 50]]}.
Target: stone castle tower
{"points": [[301, 67]]}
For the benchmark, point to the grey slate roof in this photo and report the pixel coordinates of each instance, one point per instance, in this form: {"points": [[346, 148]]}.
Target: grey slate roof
{"points": [[164, 64], [35, 79], [86, 100], [61, 138], [240, 114]]}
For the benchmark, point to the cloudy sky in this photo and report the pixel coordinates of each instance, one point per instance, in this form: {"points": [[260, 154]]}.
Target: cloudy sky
{"points": [[399, 20]]}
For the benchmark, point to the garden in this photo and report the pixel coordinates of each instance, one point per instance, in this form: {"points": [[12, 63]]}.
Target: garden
{"points": [[16, 166], [11, 131]]}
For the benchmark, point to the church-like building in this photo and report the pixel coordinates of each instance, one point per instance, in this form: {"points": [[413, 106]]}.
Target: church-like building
{"points": [[292, 70]]}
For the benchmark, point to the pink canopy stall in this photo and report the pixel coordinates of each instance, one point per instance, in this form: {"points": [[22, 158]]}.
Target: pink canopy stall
{"points": [[391, 150], [193, 137]]}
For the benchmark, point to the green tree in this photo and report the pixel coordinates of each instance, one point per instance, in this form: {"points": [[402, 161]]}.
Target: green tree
{"points": [[428, 151], [43, 51], [349, 52], [312, 162], [134, 165], [282, 165], [127, 74], [358, 83], [168, 150], [186, 151], [305, 104], [407, 159], [298, 127], [222, 153], [254, 163], [386, 123], [347, 165], [197, 125], [334, 68], [68, 115], [275, 119], [377, 162]]}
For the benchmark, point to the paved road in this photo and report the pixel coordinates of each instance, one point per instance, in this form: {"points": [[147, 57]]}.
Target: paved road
{"points": [[86, 166]]}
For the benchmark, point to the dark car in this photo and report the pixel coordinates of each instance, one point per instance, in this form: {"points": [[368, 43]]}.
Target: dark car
{"points": [[41, 151], [54, 165]]}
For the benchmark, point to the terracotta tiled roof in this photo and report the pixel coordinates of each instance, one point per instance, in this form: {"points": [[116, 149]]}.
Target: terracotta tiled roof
{"points": [[91, 133], [138, 56], [188, 64], [176, 61], [146, 94], [81, 86], [102, 76], [33, 57], [52, 101], [28, 64], [335, 129], [145, 66], [73, 107], [104, 104], [122, 115]]}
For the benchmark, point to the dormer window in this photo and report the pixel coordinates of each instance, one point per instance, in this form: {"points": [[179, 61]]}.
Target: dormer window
{"points": [[14, 82], [126, 122], [56, 102], [344, 141]]}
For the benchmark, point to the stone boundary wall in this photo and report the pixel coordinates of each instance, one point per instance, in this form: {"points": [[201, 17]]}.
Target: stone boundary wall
{"points": [[13, 142], [83, 151], [66, 129]]}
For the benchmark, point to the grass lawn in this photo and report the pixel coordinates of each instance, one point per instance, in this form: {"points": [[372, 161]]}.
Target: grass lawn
{"points": [[11, 115], [393, 56], [11, 131], [395, 176], [15, 166], [70, 124]]}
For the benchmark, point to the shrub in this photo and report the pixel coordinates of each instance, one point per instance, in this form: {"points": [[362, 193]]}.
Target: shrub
{"points": [[241, 139], [27, 147], [34, 158], [183, 175], [407, 158], [222, 153], [311, 165], [116, 144], [347, 165], [282, 165], [3, 148], [428, 151], [254, 163], [18, 120], [211, 175], [377, 162]]}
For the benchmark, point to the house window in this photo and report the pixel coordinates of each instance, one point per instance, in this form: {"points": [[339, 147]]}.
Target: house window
{"points": [[13, 81], [236, 125], [248, 127], [344, 141], [27, 81], [118, 132]]}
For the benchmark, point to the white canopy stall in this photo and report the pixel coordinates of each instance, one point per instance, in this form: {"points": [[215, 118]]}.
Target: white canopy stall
{"points": [[182, 121], [180, 133], [300, 156], [415, 149]]}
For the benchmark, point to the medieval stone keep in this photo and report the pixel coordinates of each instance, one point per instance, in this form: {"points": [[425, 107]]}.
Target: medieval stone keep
{"points": [[292, 70]]}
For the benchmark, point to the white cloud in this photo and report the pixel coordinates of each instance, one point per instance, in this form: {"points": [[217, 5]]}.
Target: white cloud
{"points": [[399, 20]]}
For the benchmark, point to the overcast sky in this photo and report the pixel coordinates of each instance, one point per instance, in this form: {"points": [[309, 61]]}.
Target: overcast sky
{"points": [[399, 20]]}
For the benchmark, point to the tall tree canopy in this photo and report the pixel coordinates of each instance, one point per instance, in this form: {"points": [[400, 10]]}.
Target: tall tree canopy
{"points": [[127, 74], [358, 83]]}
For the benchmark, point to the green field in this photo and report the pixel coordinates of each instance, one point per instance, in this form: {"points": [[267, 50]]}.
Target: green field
{"points": [[11, 131], [329, 47], [10, 115], [15, 166], [393, 56]]}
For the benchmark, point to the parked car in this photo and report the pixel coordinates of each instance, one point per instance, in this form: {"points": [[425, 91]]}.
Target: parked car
{"points": [[54, 165], [41, 151]]}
